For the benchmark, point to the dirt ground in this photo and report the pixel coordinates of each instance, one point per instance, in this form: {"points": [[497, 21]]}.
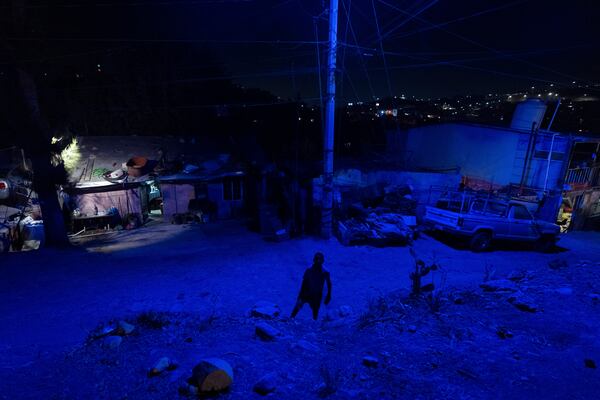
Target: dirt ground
{"points": [[203, 280]]}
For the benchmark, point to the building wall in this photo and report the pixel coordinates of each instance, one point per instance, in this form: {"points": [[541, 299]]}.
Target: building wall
{"points": [[495, 155], [225, 208], [475, 150], [538, 163], [125, 201], [176, 198]]}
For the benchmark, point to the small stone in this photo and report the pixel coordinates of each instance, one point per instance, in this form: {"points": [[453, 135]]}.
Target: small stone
{"points": [[503, 333], [304, 345], [162, 365], [522, 302], [188, 340], [595, 296], [518, 275], [558, 264], [188, 390], [411, 328], [112, 342], [266, 310], [458, 298], [369, 361], [104, 331], [589, 363], [266, 332], [349, 393], [564, 291], [344, 311], [498, 285], [125, 328], [267, 384]]}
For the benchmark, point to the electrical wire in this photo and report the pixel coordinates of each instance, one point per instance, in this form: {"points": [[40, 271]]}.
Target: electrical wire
{"points": [[463, 18], [474, 42], [407, 20], [387, 73], [360, 55]]}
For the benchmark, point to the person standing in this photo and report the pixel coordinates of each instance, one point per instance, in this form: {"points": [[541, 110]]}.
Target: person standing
{"points": [[311, 291]]}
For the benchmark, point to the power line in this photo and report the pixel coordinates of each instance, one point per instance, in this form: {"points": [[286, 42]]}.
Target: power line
{"points": [[360, 55], [463, 18], [466, 39], [407, 20], [387, 73]]}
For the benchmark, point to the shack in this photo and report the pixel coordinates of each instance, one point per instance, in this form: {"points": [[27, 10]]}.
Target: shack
{"points": [[126, 180]]}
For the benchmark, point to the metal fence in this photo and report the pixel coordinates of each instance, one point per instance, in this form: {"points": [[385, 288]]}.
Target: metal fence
{"points": [[588, 175]]}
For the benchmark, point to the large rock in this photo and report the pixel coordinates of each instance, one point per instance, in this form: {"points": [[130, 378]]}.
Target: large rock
{"points": [[523, 302], [266, 332], [211, 375], [267, 384], [265, 309], [498, 285]]}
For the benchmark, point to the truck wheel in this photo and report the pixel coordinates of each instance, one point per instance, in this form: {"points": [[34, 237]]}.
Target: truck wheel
{"points": [[482, 241], [545, 244]]}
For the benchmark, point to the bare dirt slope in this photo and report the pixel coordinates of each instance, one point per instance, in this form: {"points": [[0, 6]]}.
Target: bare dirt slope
{"points": [[468, 344]]}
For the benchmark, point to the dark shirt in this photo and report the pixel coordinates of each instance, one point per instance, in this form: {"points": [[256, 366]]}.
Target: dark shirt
{"points": [[312, 284]]}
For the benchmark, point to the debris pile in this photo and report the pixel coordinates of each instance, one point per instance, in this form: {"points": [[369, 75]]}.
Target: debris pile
{"points": [[376, 229]]}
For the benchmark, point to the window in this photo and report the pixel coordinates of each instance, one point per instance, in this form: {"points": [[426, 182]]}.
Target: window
{"points": [[543, 154], [520, 212], [232, 189], [478, 206], [497, 209]]}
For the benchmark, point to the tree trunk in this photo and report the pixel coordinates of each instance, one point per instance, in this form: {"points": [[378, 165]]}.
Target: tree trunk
{"points": [[37, 147]]}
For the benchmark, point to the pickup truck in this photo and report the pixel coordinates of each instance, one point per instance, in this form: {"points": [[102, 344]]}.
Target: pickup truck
{"points": [[483, 220]]}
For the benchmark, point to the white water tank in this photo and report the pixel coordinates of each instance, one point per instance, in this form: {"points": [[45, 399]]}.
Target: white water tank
{"points": [[528, 112]]}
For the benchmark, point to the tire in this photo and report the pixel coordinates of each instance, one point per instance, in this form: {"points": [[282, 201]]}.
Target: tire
{"points": [[545, 244], [481, 241]]}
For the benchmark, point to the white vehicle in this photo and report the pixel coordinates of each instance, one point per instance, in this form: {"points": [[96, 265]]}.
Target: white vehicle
{"points": [[483, 220]]}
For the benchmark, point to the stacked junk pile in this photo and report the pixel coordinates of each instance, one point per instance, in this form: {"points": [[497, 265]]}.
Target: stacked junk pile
{"points": [[377, 215]]}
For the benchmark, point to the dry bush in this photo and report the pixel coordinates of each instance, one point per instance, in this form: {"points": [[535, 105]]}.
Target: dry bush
{"points": [[332, 380], [489, 273]]}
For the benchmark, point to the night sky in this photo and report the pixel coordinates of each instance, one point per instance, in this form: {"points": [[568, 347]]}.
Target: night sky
{"points": [[433, 48]]}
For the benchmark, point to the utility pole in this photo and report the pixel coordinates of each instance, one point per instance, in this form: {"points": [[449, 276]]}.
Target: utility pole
{"points": [[327, 206]]}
